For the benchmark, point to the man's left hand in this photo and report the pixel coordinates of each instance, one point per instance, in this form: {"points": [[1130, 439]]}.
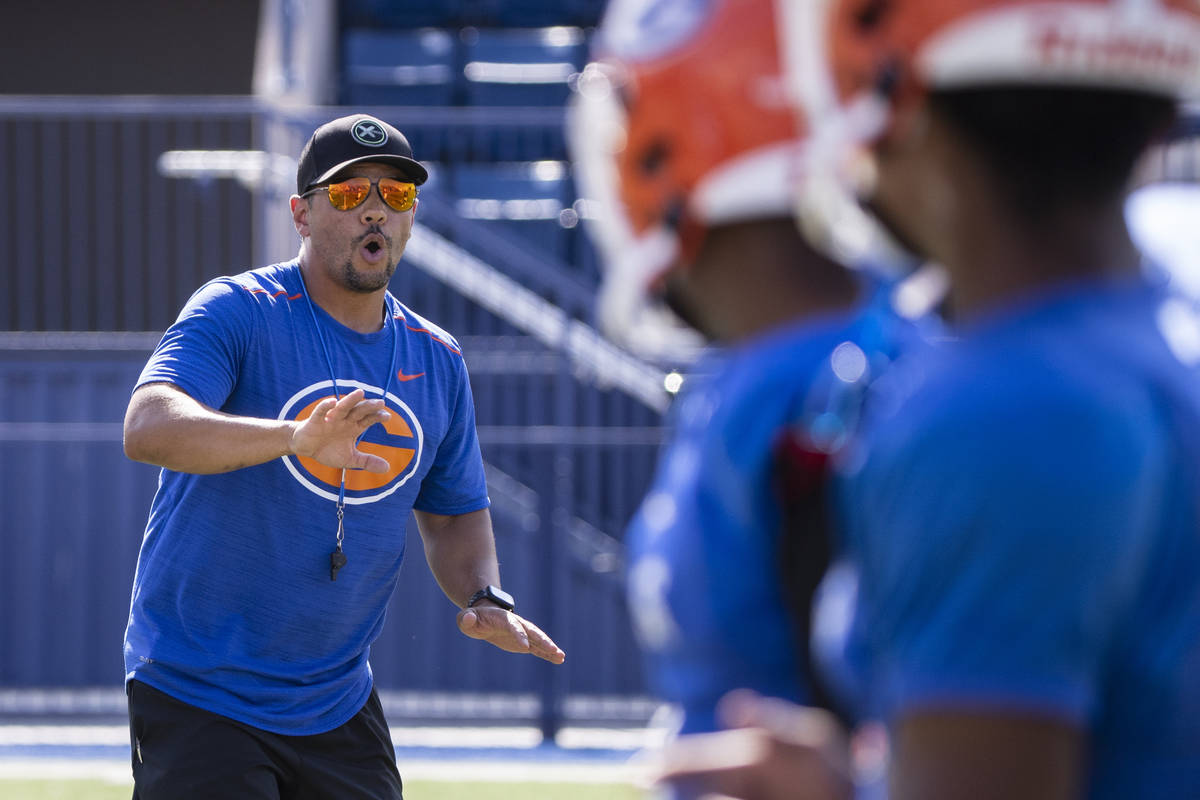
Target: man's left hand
{"points": [[509, 632]]}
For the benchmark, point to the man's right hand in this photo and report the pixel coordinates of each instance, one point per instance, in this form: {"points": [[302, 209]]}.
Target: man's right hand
{"points": [[330, 434]]}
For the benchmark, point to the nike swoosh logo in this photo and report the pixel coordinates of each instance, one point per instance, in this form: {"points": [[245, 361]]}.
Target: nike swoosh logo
{"points": [[402, 377]]}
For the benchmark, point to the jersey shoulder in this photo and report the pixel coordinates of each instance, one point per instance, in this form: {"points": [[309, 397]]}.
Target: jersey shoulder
{"points": [[270, 285], [1006, 411], [418, 326]]}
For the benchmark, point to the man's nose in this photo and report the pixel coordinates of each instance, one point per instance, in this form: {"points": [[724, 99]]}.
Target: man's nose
{"points": [[374, 212]]}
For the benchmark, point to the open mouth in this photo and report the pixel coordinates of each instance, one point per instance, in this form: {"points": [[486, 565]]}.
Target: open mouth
{"points": [[373, 247]]}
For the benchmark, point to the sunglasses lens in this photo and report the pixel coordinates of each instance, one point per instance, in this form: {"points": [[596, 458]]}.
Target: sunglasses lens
{"points": [[348, 194], [397, 194]]}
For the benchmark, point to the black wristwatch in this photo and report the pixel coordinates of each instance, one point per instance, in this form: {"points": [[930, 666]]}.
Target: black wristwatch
{"points": [[496, 595]]}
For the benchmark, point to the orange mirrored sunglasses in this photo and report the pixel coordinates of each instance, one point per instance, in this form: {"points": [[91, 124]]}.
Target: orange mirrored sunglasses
{"points": [[353, 192]]}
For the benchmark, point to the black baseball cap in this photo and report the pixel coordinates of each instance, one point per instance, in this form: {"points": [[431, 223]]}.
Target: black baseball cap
{"points": [[351, 140]]}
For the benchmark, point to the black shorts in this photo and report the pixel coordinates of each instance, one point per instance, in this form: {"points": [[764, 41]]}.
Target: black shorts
{"points": [[181, 752]]}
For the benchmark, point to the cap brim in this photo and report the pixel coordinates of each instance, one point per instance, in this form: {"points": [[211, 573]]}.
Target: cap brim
{"points": [[412, 168]]}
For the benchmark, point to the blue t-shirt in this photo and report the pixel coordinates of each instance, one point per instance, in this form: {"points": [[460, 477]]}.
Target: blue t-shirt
{"points": [[705, 589], [233, 608], [1024, 532]]}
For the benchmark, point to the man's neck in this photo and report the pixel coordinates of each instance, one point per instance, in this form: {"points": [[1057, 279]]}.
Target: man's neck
{"points": [[1002, 259], [757, 276], [359, 311]]}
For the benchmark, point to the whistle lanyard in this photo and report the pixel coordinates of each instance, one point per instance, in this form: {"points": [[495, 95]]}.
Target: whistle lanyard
{"points": [[337, 558]]}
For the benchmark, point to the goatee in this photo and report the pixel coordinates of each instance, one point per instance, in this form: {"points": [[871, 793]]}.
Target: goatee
{"points": [[366, 282]]}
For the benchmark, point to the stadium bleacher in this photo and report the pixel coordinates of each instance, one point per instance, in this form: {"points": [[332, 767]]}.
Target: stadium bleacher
{"points": [[388, 14], [464, 13], [527, 197], [462, 52], [511, 60], [521, 66], [399, 67]]}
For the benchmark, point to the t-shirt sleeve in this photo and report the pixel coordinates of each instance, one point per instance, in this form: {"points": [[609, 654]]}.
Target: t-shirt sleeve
{"points": [[1011, 544], [455, 483], [202, 351]]}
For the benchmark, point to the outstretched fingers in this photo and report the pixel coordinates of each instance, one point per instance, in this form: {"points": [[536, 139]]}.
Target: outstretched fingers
{"points": [[356, 410], [323, 408], [369, 412], [509, 632], [330, 434], [542, 645]]}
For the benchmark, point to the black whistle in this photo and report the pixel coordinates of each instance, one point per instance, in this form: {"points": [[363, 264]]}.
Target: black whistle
{"points": [[337, 560]]}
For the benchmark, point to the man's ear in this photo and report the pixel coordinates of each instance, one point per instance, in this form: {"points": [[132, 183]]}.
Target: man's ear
{"points": [[300, 211]]}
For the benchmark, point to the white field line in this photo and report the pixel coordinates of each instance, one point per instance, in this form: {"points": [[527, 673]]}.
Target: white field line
{"points": [[491, 768], [65, 769], [499, 737], [118, 771]]}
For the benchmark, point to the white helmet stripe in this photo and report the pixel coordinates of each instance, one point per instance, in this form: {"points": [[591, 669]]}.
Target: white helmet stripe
{"points": [[1134, 45]]}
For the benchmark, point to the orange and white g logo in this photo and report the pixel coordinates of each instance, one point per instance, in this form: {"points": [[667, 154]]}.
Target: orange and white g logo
{"points": [[399, 441]]}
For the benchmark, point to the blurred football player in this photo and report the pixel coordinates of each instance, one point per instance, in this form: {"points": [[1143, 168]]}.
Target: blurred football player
{"points": [[690, 154], [1023, 534]]}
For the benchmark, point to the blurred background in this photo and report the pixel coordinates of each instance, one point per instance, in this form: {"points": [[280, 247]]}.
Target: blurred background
{"points": [[147, 147]]}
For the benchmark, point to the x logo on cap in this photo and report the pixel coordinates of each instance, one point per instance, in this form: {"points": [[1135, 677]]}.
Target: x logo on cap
{"points": [[368, 132]]}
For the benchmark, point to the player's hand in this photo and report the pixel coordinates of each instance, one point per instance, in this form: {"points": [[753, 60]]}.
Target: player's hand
{"points": [[775, 750], [329, 435], [509, 632]]}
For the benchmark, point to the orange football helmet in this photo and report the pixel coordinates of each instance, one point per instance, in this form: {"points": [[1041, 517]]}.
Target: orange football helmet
{"points": [[885, 53], [857, 67], [683, 122]]}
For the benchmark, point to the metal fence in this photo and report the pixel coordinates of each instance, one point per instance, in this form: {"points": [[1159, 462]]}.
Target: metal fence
{"points": [[94, 235], [91, 236]]}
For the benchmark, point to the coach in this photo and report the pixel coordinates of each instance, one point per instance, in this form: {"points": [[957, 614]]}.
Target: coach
{"points": [[301, 413]]}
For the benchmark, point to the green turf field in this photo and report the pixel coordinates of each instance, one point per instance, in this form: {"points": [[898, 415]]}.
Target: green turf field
{"points": [[413, 790]]}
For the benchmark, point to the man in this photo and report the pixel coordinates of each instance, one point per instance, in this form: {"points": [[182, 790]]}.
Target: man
{"points": [[1023, 516], [685, 141], [300, 414]]}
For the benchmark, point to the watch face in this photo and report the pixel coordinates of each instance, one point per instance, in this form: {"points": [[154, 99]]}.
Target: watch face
{"points": [[502, 597], [497, 596]]}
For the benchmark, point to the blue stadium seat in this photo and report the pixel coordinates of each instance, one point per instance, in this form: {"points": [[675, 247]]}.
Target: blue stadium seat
{"points": [[528, 66], [589, 12], [399, 67], [527, 13], [526, 198], [535, 13], [400, 13]]}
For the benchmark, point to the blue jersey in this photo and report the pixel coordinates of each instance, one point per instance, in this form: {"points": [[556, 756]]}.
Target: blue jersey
{"points": [[1024, 528], [705, 589], [233, 608]]}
